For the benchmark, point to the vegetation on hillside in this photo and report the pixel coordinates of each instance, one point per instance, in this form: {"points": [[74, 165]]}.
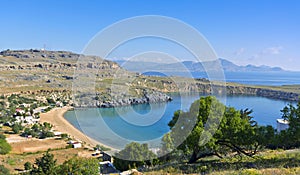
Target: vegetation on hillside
{"points": [[134, 155], [47, 165], [4, 146]]}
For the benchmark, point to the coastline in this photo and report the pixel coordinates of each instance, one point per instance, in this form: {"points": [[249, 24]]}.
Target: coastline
{"points": [[56, 118]]}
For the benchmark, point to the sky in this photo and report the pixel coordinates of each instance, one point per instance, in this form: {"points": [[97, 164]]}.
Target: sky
{"points": [[258, 32]]}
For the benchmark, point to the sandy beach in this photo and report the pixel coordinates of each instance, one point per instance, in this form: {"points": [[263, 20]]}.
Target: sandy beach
{"points": [[56, 118]]}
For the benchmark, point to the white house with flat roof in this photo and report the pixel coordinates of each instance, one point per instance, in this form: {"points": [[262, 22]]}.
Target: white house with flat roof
{"points": [[282, 124]]}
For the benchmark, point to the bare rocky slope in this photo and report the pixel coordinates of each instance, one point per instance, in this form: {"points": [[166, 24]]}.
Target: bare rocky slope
{"points": [[38, 71]]}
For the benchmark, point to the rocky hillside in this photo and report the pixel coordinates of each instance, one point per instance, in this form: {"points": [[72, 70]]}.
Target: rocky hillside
{"points": [[35, 71], [50, 60], [205, 87]]}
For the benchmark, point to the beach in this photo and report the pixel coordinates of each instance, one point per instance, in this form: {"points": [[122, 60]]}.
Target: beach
{"points": [[56, 118]]}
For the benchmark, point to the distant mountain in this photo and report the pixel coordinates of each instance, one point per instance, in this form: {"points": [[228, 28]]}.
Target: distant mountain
{"points": [[179, 68], [231, 67]]}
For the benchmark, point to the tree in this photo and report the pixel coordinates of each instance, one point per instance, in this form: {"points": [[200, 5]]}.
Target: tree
{"points": [[133, 155], [16, 128], [168, 151], [79, 166], [2, 136], [292, 134], [4, 170], [4, 146], [50, 101], [45, 165], [234, 130], [64, 136], [27, 166], [265, 136]]}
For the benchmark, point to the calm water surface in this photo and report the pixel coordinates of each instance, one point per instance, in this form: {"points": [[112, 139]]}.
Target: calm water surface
{"points": [[118, 126]]}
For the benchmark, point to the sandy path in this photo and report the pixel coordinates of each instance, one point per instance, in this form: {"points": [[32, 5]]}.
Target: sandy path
{"points": [[56, 118]]}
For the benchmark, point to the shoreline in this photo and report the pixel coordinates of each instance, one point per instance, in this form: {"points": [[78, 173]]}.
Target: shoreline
{"points": [[56, 118]]}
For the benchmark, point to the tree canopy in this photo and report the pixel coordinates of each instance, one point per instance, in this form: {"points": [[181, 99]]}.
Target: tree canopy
{"points": [[4, 146], [133, 155], [79, 166], [46, 165], [216, 130]]}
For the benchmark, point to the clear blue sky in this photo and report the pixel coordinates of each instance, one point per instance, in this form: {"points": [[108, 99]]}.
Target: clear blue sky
{"points": [[243, 31]]}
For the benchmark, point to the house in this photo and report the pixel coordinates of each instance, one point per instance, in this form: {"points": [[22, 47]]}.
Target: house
{"points": [[59, 104], [24, 105], [56, 133], [28, 118], [282, 124], [76, 145], [21, 111], [39, 110]]}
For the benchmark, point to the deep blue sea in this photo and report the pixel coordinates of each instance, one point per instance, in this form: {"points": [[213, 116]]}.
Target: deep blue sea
{"points": [[118, 126], [264, 78], [276, 78]]}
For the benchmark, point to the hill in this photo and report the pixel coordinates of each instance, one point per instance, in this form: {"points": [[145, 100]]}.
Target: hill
{"points": [[104, 83]]}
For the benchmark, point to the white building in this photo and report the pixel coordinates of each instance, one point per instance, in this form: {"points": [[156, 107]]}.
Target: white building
{"points": [[76, 145], [282, 125]]}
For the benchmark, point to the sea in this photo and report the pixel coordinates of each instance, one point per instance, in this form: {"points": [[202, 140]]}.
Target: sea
{"points": [[275, 78], [147, 123]]}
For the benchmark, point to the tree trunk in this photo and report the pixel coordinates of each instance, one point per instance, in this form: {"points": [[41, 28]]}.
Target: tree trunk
{"points": [[194, 157]]}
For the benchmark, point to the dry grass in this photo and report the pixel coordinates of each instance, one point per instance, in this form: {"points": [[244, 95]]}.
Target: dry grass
{"points": [[34, 145], [15, 162]]}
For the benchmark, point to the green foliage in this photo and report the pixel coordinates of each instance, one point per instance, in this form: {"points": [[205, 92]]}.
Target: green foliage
{"points": [[79, 166], [102, 148], [16, 128], [4, 146], [50, 101], [64, 136], [39, 130], [265, 135], [292, 114], [17, 99], [268, 137], [263, 161], [11, 161], [234, 130], [133, 155], [47, 109], [2, 136], [4, 170], [44, 165], [27, 166]]}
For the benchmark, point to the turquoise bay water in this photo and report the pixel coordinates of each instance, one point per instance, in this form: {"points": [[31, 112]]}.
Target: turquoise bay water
{"points": [[148, 122]]}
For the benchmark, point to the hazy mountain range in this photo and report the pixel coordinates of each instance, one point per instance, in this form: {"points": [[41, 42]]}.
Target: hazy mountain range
{"points": [[190, 66]]}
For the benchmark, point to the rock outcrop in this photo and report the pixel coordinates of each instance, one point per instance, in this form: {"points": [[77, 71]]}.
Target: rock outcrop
{"points": [[102, 101]]}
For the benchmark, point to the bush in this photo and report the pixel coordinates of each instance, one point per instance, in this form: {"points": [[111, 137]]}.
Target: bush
{"points": [[27, 166], [4, 170], [16, 128], [4, 147], [64, 136], [134, 155]]}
